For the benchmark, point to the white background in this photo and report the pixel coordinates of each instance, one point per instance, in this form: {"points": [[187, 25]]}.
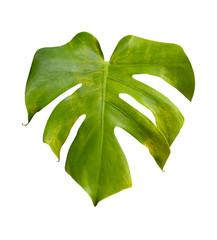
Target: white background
{"points": [[39, 200]]}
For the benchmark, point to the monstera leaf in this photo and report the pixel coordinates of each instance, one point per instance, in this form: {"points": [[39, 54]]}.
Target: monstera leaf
{"points": [[95, 159]]}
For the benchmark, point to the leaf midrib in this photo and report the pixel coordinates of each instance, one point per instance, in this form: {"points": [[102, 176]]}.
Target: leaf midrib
{"points": [[103, 95]]}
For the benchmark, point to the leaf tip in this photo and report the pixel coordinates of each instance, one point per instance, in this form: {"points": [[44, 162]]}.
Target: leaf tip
{"points": [[161, 165], [25, 124], [95, 203], [30, 116], [54, 150], [95, 199]]}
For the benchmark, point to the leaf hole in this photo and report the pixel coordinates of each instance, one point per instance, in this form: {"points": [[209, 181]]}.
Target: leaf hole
{"points": [[71, 136], [166, 89], [130, 100], [67, 93], [137, 160], [50, 107], [45, 113]]}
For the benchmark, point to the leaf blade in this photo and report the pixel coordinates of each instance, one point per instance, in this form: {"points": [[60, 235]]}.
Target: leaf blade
{"points": [[95, 159]]}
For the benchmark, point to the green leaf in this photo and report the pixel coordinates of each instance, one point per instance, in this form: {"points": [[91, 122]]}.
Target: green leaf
{"points": [[95, 159]]}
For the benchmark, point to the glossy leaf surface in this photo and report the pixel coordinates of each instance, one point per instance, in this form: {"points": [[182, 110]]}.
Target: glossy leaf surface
{"points": [[95, 159]]}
